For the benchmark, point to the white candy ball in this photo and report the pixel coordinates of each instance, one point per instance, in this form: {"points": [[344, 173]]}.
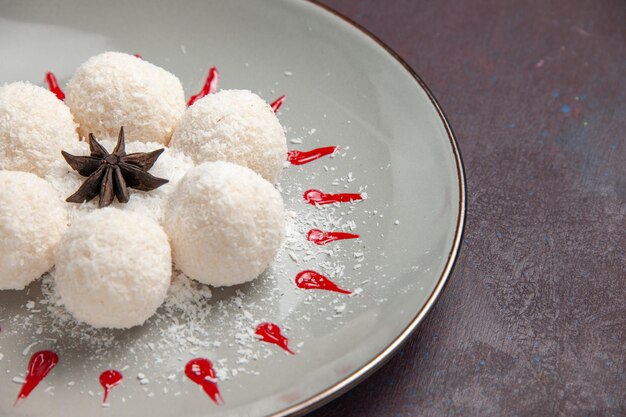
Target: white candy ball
{"points": [[32, 221], [235, 126], [115, 89], [113, 268], [225, 223], [34, 127]]}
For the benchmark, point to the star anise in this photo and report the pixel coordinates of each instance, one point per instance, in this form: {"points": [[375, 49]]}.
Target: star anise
{"points": [[110, 175]]}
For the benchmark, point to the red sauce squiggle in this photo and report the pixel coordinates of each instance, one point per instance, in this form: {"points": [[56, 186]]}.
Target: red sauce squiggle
{"points": [[270, 333], [109, 379], [40, 364], [210, 86], [302, 157], [317, 197], [321, 238], [311, 280], [200, 371], [53, 86], [277, 103]]}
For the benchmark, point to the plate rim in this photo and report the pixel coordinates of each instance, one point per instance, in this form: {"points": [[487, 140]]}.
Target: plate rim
{"points": [[336, 390]]}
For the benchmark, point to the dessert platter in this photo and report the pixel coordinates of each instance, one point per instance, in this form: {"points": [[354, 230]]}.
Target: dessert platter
{"points": [[228, 208]]}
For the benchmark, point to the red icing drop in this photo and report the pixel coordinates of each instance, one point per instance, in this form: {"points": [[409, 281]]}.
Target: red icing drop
{"points": [[317, 197], [109, 379], [41, 363], [210, 86], [301, 158], [277, 103], [270, 333], [137, 56], [311, 280], [201, 372], [321, 238], [53, 86]]}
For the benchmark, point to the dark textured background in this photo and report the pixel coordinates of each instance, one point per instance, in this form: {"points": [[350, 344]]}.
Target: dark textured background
{"points": [[533, 320]]}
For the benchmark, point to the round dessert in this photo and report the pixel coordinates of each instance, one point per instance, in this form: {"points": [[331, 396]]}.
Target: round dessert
{"points": [[32, 221], [235, 126], [113, 268], [225, 223], [34, 126], [115, 89]]}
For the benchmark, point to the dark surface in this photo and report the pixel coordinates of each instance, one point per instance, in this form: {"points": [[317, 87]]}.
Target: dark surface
{"points": [[533, 320]]}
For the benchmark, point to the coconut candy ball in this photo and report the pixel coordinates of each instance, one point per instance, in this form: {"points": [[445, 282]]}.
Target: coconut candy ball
{"points": [[113, 268], [115, 89], [34, 127], [235, 126], [225, 223], [32, 221]]}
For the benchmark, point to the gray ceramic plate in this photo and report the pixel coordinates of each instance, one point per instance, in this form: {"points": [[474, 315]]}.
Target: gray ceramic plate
{"points": [[343, 88]]}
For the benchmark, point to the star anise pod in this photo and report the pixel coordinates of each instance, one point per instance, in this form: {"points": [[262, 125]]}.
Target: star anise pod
{"points": [[110, 175]]}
